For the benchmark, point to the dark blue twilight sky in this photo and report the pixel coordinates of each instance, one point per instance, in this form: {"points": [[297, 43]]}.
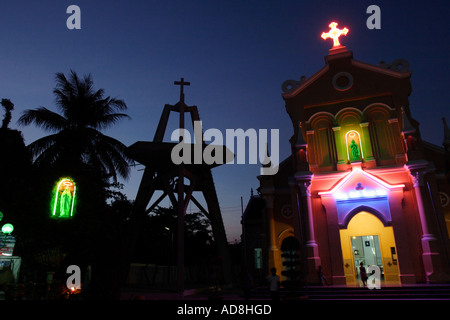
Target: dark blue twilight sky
{"points": [[236, 54]]}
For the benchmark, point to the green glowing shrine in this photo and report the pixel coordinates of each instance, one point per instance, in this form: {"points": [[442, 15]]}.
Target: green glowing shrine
{"points": [[64, 199]]}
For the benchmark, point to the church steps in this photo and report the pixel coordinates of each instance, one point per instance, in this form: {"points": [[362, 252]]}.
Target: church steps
{"points": [[416, 292]]}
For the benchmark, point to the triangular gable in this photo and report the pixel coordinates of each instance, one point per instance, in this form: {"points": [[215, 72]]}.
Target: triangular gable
{"points": [[360, 184], [351, 66]]}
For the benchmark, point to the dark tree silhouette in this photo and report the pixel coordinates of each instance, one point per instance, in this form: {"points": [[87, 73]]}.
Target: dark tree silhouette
{"points": [[76, 137], [156, 244], [9, 106]]}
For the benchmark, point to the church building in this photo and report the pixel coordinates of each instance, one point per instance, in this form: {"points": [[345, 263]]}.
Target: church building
{"points": [[361, 186]]}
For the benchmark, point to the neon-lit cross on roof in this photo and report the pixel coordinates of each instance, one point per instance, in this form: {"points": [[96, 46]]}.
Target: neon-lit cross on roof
{"points": [[334, 34]]}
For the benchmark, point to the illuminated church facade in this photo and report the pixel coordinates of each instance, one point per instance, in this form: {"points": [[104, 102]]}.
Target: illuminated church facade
{"points": [[360, 186]]}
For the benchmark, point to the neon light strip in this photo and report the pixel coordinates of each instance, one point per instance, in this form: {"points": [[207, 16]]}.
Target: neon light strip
{"points": [[73, 198], [56, 198], [359, 170], [358, 194]]}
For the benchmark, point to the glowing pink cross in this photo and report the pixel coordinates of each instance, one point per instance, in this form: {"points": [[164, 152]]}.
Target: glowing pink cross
{"points": [[334, 34]]}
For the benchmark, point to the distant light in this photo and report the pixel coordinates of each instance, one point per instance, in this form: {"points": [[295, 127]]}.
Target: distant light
{"points": [[7, 228], [334, 34], [1, 216]]}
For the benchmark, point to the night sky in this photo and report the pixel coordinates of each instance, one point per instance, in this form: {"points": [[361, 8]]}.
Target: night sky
{"points": [[236, 54]]}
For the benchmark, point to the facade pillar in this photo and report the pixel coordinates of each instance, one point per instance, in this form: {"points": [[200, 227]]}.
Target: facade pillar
{"points": [[431, 256], [312, 249], [407, 266], [298, 232], [311, 151], [334, 246]]}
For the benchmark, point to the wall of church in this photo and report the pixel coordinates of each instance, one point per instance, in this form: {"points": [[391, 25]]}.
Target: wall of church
{"points": [[444, 197], [407, 231], [284, 219], [398, 211], [323, 144], [322, 237], [359, 129], [375, 130]]}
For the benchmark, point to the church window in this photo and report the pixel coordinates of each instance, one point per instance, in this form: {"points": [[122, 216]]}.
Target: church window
{"points": [[342, 81], [290, 258]]}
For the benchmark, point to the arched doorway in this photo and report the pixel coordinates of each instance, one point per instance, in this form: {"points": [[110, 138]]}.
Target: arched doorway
{"points": [[366, 239], [290, 256]]}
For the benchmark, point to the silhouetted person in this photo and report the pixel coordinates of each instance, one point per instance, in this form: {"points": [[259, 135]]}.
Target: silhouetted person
{"points": [[362, 272], [321, 276], [274, 285]]}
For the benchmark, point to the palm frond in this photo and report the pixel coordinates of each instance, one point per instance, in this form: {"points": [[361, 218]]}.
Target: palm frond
{"points": [[41, 145], [106, 121], [44, 118], [109, 149], [49, 156]]}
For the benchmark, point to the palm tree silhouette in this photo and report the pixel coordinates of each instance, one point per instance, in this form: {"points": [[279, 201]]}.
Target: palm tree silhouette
{"points": [[76, 137]]}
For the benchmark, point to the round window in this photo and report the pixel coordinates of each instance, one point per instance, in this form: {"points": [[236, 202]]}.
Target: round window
{"points": [[342, 81]]}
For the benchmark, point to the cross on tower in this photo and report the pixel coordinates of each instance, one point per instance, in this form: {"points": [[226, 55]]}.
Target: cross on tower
{"points": [[334, 34], [161, 173], [182, 83]]}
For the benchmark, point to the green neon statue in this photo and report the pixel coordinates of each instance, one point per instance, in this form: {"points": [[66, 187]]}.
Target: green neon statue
{"points": [[66, 200], [63, 203], [355, 151]]}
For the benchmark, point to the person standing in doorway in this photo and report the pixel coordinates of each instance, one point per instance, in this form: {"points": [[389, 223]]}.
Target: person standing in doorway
{"points": [[274, 285], [362, 272]]}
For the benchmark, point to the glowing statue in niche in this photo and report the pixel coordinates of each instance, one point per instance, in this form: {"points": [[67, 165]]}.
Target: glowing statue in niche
{"points": [[353, 145], [64, 199], [355, 150]]}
